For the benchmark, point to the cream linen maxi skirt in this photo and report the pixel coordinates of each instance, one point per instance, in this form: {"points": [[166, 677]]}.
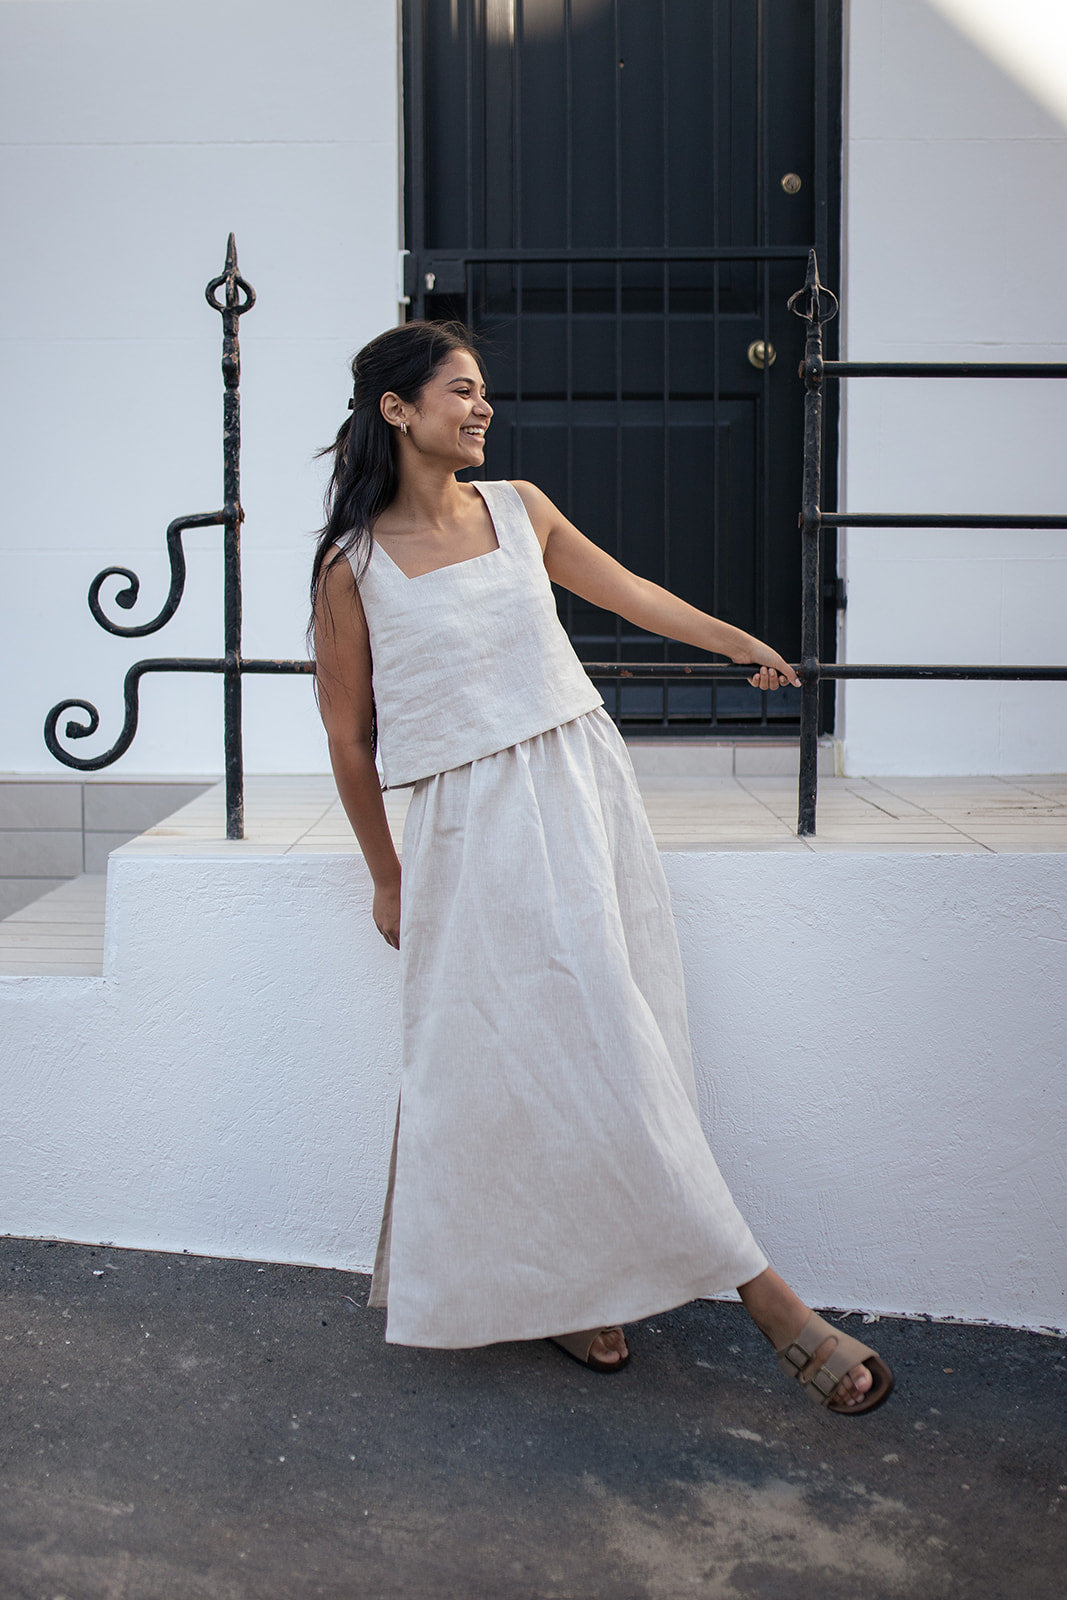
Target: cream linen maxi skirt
{"points": [[549, 1171]]}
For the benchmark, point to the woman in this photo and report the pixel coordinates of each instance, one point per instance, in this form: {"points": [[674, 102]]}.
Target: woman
{"points": [[549, 1171]]}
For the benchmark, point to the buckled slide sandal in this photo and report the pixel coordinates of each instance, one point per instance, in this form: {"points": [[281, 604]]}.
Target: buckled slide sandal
{"points": [[822, 1384]]}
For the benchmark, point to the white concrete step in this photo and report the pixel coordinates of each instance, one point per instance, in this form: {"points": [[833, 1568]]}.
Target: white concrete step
{"points": [[60, 934], [690, 809]]}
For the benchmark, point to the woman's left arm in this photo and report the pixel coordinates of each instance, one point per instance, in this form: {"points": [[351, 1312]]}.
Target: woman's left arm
{"points": [[579, 565]]}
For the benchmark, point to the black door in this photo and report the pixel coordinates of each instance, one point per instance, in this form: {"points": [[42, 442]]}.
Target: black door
{"points": [[619, 196]]}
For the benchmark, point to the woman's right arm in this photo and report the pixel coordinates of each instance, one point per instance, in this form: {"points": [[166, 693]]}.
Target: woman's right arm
{"points": [[343, 671]]}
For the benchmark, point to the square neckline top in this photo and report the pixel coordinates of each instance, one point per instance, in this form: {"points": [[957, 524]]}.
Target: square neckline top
{"points": [[469, 664], [376, 548]]}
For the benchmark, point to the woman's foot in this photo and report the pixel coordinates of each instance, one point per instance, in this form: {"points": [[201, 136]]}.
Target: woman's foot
{"points": [[780, 1315], [610, 1347], [603, 1349]]}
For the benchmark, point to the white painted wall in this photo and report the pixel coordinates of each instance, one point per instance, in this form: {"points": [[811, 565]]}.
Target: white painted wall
{"points": [[885, 1095], [955, 238], [133, 138]]}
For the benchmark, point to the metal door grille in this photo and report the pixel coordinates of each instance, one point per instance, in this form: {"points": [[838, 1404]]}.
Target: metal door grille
{"points": [[618, 250]]}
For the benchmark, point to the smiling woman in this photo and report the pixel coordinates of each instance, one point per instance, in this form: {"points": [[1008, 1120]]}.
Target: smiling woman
{"points": [[549, 1169], [450, 418], [401, 364]]}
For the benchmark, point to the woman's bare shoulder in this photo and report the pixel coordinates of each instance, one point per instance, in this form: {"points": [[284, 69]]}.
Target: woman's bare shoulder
{"points": [[539, 508], [338, 575], [338, 591]]}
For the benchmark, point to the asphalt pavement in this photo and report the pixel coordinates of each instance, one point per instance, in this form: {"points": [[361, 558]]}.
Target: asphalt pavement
{"points": [[183, 1428]]}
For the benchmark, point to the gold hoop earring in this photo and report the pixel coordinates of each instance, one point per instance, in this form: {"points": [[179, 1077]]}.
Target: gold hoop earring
{"points": [[403, 427]]}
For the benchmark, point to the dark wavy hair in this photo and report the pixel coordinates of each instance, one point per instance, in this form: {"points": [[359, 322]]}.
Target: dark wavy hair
{"points": [[364, 479]]}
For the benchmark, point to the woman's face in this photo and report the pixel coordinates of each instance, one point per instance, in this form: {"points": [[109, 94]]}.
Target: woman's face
{"points": [[452, 414]]}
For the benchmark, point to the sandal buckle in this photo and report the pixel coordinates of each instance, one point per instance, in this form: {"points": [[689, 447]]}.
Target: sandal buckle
{"points": [[797, 1356], [831, 1380]]}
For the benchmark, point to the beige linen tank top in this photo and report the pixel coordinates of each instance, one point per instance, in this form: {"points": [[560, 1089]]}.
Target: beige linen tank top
{"points": [[471, 658]]}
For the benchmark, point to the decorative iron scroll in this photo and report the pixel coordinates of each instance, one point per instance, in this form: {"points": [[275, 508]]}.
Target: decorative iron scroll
{"points": [[238, 297]]}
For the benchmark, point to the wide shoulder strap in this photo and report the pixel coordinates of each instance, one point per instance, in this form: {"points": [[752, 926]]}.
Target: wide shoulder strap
{"points": [[510, 517]]}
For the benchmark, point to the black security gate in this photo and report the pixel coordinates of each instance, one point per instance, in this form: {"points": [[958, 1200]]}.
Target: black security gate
{"points": [[618, 196]]}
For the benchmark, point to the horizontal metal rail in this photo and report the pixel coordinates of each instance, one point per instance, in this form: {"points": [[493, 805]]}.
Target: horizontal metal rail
{"points": [[279, 667], [933, 519], [830, 669], [612, 253], [944, 369], [892, 669]]}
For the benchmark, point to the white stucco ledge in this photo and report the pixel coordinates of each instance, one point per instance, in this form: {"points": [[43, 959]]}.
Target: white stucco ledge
{"points": [[878, 1037]]}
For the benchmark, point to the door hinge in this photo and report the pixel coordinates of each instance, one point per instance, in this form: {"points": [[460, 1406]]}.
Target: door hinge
{"points": [[405, 277]]}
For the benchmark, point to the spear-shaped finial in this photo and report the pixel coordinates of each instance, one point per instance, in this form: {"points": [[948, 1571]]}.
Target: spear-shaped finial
{"points": [[234, 283], [814, 303]]}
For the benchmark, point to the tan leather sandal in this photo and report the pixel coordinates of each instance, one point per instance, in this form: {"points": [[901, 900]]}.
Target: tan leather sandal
{"points": [[823, 1382], [580, 1346]]}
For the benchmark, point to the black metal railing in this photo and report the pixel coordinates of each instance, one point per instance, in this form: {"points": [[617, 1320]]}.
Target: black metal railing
{"points": [[814, 303], [817, 305], [239, 297]]}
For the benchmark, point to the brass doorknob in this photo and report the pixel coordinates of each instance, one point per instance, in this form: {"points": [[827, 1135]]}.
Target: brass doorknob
{"points": [[761, 355]]}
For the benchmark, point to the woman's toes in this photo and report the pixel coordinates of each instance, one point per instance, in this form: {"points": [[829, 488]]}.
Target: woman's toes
{"points": [[852, 1388], [610, 1346]]}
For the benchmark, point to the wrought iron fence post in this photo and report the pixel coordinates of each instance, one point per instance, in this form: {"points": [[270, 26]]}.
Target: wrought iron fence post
{"points": [[807, 304], [810, 530], [231, 309]]}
